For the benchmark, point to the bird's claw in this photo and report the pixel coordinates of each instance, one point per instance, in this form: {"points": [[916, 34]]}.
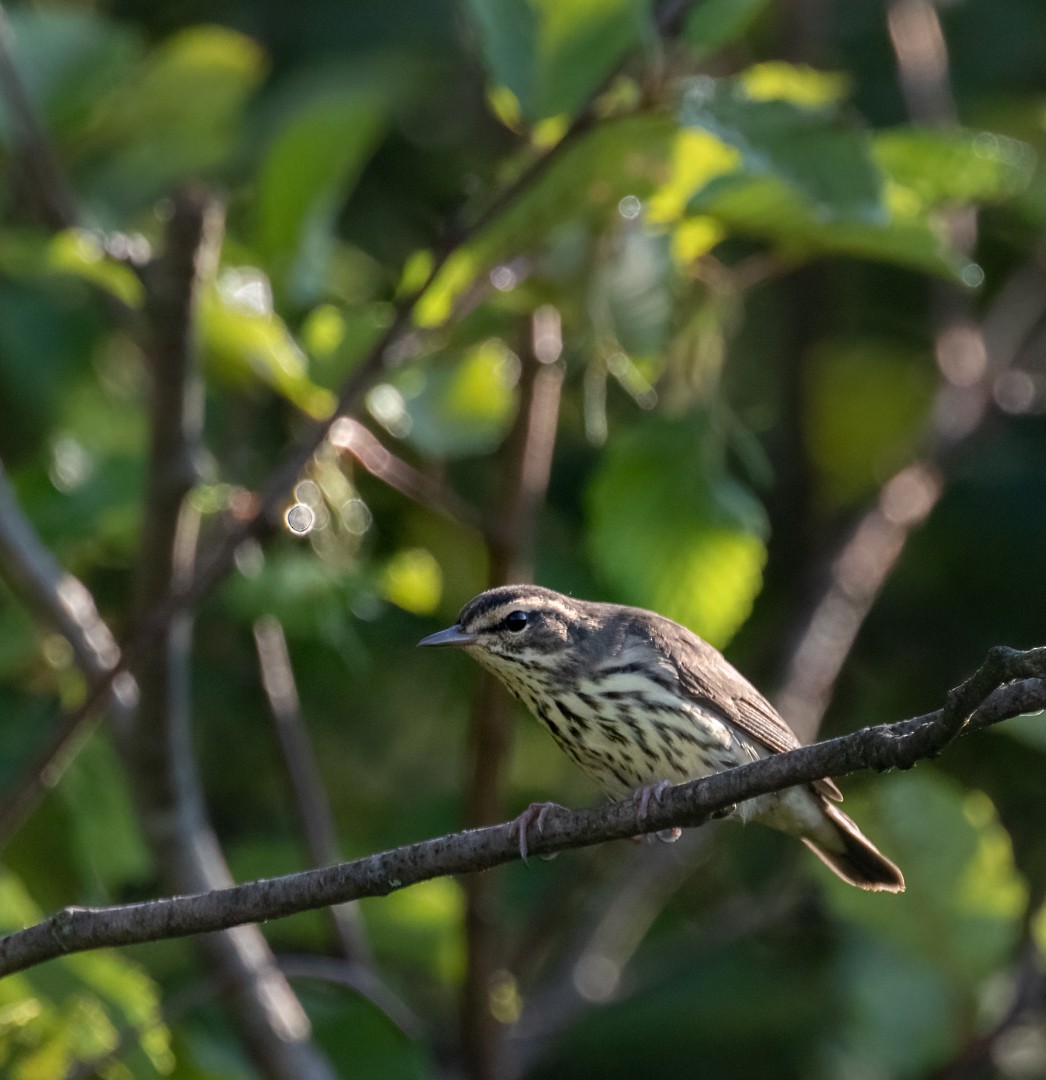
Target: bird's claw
{"points": [[534, 816], [644, 796]]}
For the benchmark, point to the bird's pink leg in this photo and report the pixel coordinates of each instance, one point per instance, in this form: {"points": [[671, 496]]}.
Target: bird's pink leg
{"points": [[534, 815], [655, 793]]}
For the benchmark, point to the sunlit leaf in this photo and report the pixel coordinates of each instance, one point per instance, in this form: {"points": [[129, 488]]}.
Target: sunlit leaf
{"points": [[77, 1008], [182, 118], [670, 530], [247, 344], [803, 86], [79, 252], [965, 898], [768, 208]]}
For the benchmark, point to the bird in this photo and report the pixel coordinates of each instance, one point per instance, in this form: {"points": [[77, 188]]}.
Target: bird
{"points": [[641, 703]]}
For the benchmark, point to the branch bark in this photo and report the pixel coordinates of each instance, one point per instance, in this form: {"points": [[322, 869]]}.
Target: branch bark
{"points": [[1009, 683]]}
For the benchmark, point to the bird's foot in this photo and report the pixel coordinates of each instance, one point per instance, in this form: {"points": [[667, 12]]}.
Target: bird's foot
{"points": [[533, 817], [644, 796], [724, 812]]}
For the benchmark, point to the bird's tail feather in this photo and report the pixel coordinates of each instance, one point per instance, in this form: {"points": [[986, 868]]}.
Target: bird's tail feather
{"points": [[852, 856]]}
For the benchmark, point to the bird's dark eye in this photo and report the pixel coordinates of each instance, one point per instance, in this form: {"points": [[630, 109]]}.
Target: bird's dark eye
{"points": [[516, 621]]}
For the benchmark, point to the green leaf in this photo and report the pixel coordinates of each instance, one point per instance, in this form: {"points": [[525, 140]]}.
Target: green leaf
{"points": [[916, 970], [669, 530], [68, 58], [183, 115], [552, 54], [308, 172], [246, 344], [461, 406], [825, 161], [76, 1008], [106, 840], [942, 167], [715, 23], [583, 187], [768, 208], [965, 899]]}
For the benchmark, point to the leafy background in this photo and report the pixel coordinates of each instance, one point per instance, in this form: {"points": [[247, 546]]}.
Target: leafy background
{"points": [[772, 264]]}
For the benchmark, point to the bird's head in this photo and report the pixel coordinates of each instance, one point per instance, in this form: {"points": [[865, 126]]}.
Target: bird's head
{"points": [[514, 625]]}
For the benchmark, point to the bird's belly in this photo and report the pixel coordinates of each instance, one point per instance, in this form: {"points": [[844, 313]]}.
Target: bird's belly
{"points": [[631, 745]]}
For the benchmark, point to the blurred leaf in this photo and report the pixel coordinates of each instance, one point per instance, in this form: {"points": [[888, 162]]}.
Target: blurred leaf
{"points": [[897, 1018], [247, 344], [46, 338], [811, 183], [553, 54], [632, 293], [825, 161], [712, 24], [1030, 729], [671, 531], [308, 172], [461, 406], [420, 926], [919, 961], [769, 209], [866, 407], [76, 1008], [79, 252], [412, 580], [68, 57], [106, 842], [182, 117], [314, 599], [965, 899], [584, 187], [947, 167], [801, 85]]}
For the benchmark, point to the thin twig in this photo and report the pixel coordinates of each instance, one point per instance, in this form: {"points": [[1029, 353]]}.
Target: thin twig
{"points": [[899, 745], [366, 448], [63, 602], [303, 774]]}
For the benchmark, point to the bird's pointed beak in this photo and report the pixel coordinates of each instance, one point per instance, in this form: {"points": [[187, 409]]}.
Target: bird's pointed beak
{"points": [[453, 635]]}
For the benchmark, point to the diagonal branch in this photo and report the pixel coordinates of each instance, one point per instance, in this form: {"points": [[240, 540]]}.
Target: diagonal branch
{"points": [[1008, 684]]}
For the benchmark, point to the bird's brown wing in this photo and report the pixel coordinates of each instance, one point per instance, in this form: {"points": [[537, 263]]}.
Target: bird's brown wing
{"points": [[715, 684]]}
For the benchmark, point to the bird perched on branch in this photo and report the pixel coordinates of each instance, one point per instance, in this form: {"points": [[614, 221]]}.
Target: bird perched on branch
{"points": [[640, 702]]}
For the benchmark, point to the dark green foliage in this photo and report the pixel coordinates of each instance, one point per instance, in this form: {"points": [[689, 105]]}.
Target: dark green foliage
{"points": [[750, 260]]}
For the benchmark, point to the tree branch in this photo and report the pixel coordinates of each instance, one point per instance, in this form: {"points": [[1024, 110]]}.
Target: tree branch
{"points": [[161, 761], [1009, 683]]}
